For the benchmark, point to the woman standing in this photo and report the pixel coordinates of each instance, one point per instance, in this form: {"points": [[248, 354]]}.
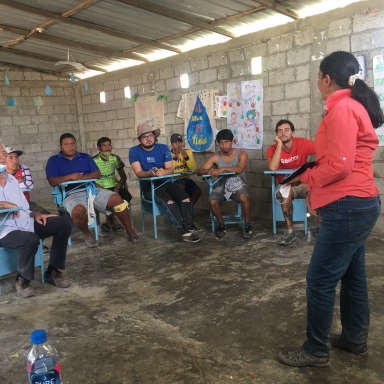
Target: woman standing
{"points": [[342, 192]]}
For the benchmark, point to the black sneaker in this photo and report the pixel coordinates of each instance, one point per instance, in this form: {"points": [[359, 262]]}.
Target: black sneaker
{"points": [[198, 230], [191, 236], [220, 233], [301, 358], [356, 349], [247, 233]]}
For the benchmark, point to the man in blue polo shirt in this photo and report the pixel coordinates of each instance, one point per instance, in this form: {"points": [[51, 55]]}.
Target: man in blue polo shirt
{"points": [[70, 165]]}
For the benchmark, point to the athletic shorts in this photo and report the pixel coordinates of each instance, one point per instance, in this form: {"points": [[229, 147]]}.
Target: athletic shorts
{"points": [[80, 198], [299, 192], [218, 194], [190, 185]]}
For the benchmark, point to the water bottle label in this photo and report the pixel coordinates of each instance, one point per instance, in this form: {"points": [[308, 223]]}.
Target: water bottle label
{"points": [[51, 377]]}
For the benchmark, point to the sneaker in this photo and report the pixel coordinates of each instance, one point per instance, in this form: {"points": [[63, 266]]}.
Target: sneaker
{"points": [[198, 230], [301, 358], [23, 287], [247, 233], [288, 237], [191, 236], [57, 279], [220, 233], [356, 349]]}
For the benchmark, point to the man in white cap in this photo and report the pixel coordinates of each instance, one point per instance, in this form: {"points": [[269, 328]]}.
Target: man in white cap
{"points": [[151, 159]]}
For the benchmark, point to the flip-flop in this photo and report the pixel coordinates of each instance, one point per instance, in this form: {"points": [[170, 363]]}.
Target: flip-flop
{"points": [[118, 228], [135, 236], [91, 245], [105, 227]]}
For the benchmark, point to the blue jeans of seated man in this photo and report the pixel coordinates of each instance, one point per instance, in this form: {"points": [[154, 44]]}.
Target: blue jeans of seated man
{"points": [[170, 191], [339, 254]]}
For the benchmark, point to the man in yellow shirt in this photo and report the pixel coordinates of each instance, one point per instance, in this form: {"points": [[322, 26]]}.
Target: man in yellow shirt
{"points": [[183, 161]]}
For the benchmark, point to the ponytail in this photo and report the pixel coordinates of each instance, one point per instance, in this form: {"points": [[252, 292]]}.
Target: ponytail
{"points": [[340, 66]]}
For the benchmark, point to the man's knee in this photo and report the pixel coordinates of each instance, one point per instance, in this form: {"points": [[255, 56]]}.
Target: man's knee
{"points": [[243, 198], [213, 203], [79, 212], [32, 240]]}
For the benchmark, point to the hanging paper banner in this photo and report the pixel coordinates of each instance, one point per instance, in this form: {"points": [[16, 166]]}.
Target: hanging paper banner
{"points": [[73, 78], [85, 85], [378, 85], [199, 120], [199, 130], [6, 80], [149, 110], [48, 90], [245, 113]]}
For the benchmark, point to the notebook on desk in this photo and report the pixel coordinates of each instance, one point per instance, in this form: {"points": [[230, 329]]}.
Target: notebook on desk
{"points": [[299, 171]]}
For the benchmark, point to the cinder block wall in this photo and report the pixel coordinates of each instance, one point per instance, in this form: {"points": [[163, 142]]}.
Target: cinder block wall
{"points": [[36, 130], [291, 56]]}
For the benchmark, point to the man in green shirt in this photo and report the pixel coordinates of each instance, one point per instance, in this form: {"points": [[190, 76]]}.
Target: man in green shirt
{"points": [[108, 164]]}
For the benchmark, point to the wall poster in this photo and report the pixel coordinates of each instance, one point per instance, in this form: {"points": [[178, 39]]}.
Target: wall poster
{"points": [[378, 85], [149, 110], [244, 113]]}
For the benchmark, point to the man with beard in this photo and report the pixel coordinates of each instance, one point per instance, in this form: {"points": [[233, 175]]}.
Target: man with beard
{"points": [[233, 187], [151, 159], [289, 153]]}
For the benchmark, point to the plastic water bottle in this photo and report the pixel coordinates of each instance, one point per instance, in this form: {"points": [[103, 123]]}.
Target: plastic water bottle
{"points": [[43, 365]]}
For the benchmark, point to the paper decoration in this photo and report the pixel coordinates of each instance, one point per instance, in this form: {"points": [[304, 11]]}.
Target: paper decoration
{"points": [[85, 85], [149, 110], [378, 85], [73, 78], [11, 102], [38, 101], [221, 106], [215, 103], [134, 98], [362, 66], [48, 90], [162, 97], [245, 113], [199, 120], [180, 110], [6, 80]]}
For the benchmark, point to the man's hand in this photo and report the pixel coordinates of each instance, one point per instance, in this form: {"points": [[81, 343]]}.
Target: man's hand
{"points": [[216, 172], [160, 172], [177, 152], [277, 140], [309, 205], [41, 218], [184, 153], [76, 176], [20, 179]]}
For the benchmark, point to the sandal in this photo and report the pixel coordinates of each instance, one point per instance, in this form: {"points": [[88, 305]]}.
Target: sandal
{"points": [[105, 227], [118, 228], [134, 236], [91, 245]]}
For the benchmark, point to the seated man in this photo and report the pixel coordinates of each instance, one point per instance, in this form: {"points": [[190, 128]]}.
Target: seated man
{"points": [[24, 231], [234, 187], [150, 159], [289, 152], [70, 165], [183, 161], [108, 163]]}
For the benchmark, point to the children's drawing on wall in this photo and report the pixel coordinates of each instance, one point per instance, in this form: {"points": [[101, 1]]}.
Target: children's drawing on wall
{"points": [[245, 113], [378, 86], [148, 109]]}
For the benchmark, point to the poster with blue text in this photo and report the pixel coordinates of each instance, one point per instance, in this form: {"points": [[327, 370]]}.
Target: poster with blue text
{"points": [[199, 120], [378, 78], [245, 113]]}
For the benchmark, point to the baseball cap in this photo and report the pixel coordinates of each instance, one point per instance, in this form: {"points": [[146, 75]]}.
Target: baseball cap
{"points": [[176, 137], [12, 150]]}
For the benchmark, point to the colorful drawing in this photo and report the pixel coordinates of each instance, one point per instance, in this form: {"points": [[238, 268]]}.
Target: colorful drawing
{"points": [[378, 86]]}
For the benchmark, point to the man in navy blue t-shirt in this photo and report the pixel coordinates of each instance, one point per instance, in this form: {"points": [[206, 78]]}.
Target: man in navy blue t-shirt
{"points": [[70, 165], [151, 159]]}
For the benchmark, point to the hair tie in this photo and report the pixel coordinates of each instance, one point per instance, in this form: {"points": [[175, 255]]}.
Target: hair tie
{"points": [[352, 79]]}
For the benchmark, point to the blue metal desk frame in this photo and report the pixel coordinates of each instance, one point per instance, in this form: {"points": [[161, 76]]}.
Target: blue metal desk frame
{"points": [[65, 213], [228, 219], [299, 207], [8, 256]]}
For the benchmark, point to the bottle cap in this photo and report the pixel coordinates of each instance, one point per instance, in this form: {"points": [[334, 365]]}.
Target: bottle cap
{"points": [[39, 336]]}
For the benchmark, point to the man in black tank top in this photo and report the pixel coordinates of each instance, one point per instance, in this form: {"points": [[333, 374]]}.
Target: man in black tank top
{"points": [[233, 187]]}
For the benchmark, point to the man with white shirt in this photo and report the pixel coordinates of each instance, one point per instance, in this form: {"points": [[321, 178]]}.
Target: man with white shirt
{"points": [[24, 230]]}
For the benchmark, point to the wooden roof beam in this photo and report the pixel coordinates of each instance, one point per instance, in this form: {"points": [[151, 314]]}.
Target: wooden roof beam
{"points": [[56, 18], [270, 4], [74, 44], [176, 15]]}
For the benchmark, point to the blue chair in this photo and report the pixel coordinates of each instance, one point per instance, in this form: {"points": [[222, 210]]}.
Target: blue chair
{"points": [[8, 256], [299, 207], [228, 219], [63, 212]]}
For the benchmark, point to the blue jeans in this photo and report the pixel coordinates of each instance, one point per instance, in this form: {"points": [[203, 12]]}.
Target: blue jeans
{"points": [[339, 255]]}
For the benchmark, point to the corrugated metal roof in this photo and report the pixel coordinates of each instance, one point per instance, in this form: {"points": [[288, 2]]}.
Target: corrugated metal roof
{"points": [[57, 6], [31, 63], [20, 19]]}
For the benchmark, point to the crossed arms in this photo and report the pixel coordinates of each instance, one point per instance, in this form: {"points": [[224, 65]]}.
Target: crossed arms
{"points": [[206, 168]]}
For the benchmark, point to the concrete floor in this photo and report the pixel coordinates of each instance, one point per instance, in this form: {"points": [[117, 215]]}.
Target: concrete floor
{"points": [[166, 311]]}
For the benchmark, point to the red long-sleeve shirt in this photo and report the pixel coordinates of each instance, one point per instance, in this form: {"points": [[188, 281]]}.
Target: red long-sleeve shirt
{"points": [[345, 143]]}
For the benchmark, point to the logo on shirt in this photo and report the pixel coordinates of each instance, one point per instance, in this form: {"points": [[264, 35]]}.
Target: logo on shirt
{"points": [[293, 158], [150, 159], [113, 166]]}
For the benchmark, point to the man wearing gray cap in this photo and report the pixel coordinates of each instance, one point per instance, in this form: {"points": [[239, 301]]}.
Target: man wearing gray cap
{"points": [[151, 159]]}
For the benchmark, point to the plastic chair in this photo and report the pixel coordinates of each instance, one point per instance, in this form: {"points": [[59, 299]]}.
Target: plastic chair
{"points": [[299, 207]]}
